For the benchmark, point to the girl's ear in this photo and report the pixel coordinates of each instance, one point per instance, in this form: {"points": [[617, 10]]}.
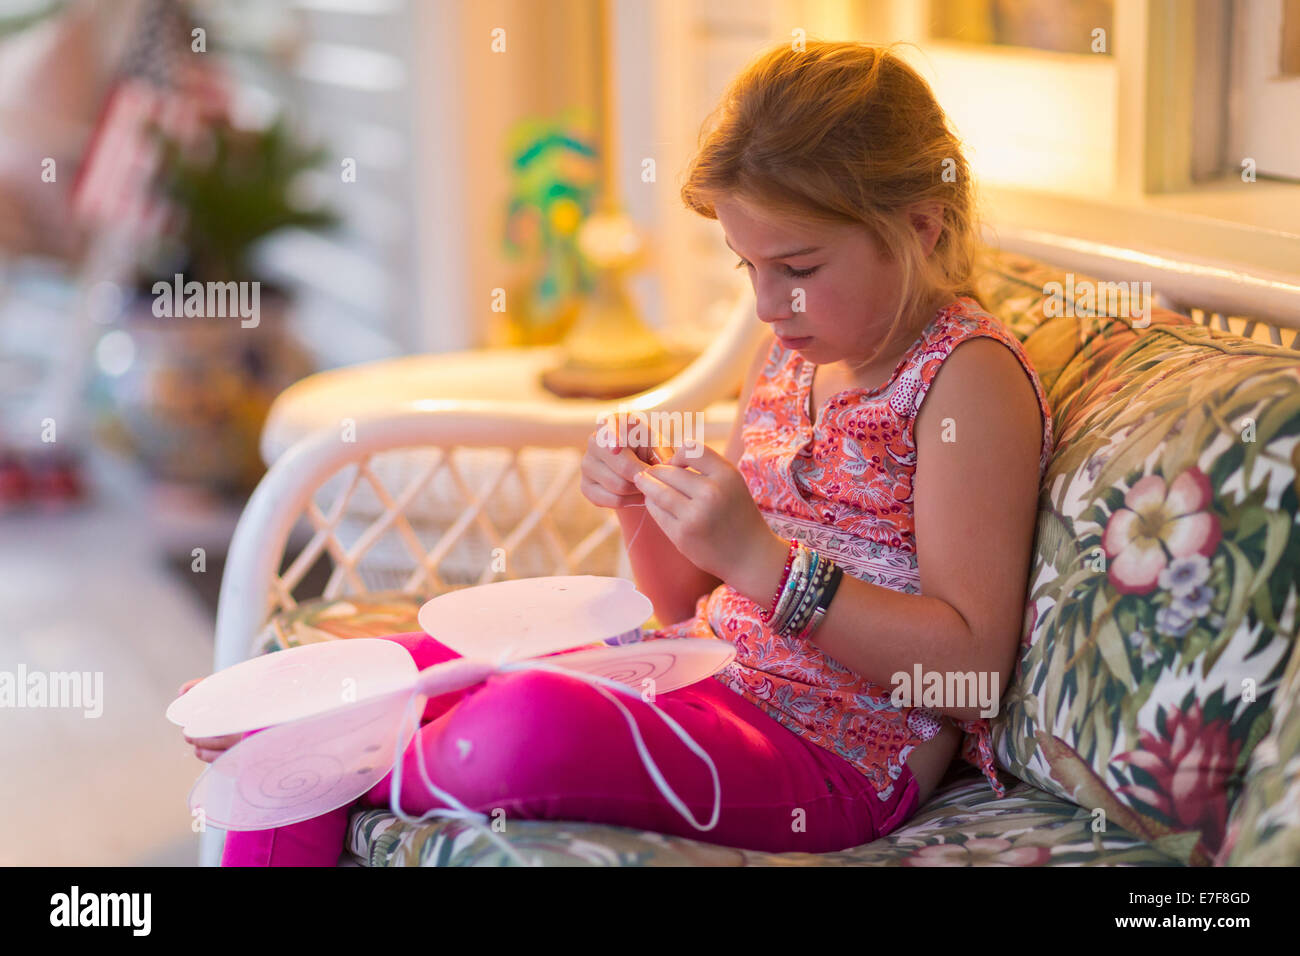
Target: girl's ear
{"points": [[927, 220]]}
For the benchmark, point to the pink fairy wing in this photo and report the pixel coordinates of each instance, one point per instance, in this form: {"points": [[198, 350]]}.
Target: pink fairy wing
{"points": [[307, 767], [667, 664], [530, 617], [291, 684], [302, 769]]}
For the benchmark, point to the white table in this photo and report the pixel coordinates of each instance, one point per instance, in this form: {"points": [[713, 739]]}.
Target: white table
{"points": [[326, 399]]}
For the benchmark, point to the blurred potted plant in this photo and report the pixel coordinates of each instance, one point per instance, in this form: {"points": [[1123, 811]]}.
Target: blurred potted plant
{"points": [[207, 342], [554, 175]]}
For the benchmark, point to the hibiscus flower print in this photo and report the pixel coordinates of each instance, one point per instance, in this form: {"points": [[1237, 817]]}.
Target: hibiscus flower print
{"points": [[1159, 524], [1187, 766]]}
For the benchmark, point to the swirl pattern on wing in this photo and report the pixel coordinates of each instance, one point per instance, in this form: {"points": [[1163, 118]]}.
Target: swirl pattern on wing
{"points": [[648, 665], [669, 663], [305, 768], [283, 785]]}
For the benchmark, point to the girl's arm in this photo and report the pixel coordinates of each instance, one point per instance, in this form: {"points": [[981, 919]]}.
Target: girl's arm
{"points": [[978, 437], [671, 582]]}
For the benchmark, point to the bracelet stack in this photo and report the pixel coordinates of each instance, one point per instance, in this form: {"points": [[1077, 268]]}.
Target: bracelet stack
{"points": [[805, 591]]}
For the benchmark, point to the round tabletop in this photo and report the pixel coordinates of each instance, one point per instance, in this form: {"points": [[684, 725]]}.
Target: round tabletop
{"points": [[510, 374]]}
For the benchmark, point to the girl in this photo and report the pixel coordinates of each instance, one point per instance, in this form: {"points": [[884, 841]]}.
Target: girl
{"points": [[864, 542]]}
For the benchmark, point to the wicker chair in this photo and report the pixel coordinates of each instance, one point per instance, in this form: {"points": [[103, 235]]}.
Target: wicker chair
{"points": [[434, 495]]}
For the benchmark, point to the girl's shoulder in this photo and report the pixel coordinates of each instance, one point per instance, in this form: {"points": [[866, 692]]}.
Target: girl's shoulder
{"points": [[964, 317], [962, 321]]}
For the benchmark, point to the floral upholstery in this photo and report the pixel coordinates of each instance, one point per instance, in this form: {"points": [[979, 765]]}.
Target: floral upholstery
{"points": [[1161, 612], [369, 615], [962, 824], [1153, 716], [1265, 827]]}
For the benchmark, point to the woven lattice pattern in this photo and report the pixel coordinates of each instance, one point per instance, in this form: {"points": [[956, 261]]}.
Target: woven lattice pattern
{"points": [[433, 519]]}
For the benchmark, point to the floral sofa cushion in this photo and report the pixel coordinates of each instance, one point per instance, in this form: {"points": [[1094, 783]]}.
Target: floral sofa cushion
{"points": [[1265, 827], [1162, 610], [369, 615], [962, 824]]}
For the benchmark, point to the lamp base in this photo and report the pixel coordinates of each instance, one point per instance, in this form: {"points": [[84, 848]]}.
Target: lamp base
{"points": [[579, 381]]}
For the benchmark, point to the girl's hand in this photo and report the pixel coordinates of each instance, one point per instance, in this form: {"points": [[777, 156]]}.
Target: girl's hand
{"points": [[608, 467], [208, 748], [703, 505]]}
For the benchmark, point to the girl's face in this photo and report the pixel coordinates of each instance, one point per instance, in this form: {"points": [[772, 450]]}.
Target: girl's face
{"points": [[850, 291]]}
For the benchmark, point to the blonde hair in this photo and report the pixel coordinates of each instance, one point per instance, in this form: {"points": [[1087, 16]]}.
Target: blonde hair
{"points": [[844, 132]]}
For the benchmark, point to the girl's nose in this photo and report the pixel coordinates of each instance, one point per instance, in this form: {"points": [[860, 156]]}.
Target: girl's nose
{"points": [[775, 311], [773, 305]]}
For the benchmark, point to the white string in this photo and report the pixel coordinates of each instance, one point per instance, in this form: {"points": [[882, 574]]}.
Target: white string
{"points": [[474, 819], [480, 820], [644, 515]]}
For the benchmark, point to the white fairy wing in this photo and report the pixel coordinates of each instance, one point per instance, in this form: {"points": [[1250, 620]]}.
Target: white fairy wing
{"points": [[661, 665], [530, 617], [302, 769], [291, 684], [299, 770]]}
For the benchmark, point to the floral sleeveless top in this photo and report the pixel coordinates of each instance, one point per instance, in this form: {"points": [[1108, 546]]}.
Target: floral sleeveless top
{"points": [[844, 488]]}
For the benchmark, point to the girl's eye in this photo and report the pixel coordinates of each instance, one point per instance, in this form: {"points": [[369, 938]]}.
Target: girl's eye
{"points": [[793, 273]]}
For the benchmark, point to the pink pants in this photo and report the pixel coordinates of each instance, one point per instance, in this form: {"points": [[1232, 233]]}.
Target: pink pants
{"points": [[544, 746]]}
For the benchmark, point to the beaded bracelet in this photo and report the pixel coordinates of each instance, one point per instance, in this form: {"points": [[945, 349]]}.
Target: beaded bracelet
{"points": [[819, 611], [808, 583], [799, 604], [800, 625], [798, 615], [806, 593], [791, 585], [766, 613]]}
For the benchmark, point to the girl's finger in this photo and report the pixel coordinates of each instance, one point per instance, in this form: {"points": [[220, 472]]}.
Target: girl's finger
{"points": [[662, 517], [699, 457], [615, 474], [689, 483], [668, 499], [604, 498]]}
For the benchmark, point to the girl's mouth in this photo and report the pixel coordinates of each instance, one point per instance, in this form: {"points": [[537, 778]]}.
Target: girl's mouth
{"points": [[793, 343]]}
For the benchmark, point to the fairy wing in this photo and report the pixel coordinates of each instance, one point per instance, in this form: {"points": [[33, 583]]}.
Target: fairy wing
{"points": [[291, 684], [662, 665], [301, 769], [530, 617]]}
